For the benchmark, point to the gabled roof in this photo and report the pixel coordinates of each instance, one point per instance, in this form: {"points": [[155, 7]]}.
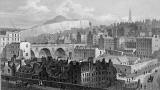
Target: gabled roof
{"points": [[123, 59]]}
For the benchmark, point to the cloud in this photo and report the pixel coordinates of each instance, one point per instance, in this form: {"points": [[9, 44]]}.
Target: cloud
{"points": [[136, 18], [34, 7], [68, 8], [34, 10], [74, 10], [10, 14], [108, 17]]}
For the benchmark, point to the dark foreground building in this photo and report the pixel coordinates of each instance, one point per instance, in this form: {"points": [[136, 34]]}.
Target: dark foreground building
{"points": [[97, 75]]}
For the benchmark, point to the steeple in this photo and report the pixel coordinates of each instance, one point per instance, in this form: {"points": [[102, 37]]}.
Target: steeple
{"points": [[130, 16]]}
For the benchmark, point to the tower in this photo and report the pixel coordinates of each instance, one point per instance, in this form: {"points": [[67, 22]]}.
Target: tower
{"points": [[78, 37], [130, 16], [90, 39]]}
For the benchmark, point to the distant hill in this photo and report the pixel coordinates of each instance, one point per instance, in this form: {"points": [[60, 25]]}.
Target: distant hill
{"points": [[59, 18], [43, 38]]}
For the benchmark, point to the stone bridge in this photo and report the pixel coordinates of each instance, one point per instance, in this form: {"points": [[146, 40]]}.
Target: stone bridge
{"points": [[54, 50]]}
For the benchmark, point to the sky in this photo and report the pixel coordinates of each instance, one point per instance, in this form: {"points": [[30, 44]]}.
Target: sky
{"points": [[32, 12]]}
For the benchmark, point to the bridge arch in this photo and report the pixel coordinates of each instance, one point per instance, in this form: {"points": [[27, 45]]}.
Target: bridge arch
{"points": [[32, 54], [60, 53], [45, 52]]}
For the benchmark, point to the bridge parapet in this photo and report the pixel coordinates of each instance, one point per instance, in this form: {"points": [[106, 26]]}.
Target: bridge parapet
{"points": [[52, 48]]}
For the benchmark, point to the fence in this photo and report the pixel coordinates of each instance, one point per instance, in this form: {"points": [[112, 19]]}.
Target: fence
{"points": [[66, 86]]}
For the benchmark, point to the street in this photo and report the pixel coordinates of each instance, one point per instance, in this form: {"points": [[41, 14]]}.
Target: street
{"points": [[153, 85]]}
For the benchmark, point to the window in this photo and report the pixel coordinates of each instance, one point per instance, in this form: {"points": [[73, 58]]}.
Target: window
{"points": [[8, 70], [26, 54], [26, 45], [3, 44]]}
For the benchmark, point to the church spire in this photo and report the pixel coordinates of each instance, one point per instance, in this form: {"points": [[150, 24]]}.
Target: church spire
{"points": [[130, 16]]}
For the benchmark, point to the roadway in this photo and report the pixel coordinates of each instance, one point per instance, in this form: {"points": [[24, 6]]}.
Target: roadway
{"points": [[155, 84]]}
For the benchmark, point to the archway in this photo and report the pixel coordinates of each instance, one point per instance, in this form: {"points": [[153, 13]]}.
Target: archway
{"points": [[32, 54], [60, 53], [45, 52]]}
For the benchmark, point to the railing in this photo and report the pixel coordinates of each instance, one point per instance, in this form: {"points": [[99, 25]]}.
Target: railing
{"points": [[66, 86]]}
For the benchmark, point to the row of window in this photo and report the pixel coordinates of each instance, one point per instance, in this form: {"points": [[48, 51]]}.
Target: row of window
{"points": [[16, 47], [14, 52], [144, 53], [96, 73], [95, 79], [8, 39], [99, 84]]}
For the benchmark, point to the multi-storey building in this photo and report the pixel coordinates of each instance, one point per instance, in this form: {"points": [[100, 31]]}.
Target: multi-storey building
{"points": [[109, 43], [99, 74], [95, 40], [10, 50], [84, 38], [130, 42], [91, 74], [26, 50], [21, 50], [7, 36], [74, 72], [84, 52], [68, 39], [145, 46]]}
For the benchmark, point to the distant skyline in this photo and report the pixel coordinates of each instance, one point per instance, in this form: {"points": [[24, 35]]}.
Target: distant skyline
{"points": [[29, 12]]}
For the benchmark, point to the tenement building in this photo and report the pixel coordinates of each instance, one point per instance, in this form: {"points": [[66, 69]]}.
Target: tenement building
{"points": [[99, 74], [21, 50], [109, 43], [84, 52], [145, 46], [7, 36]]}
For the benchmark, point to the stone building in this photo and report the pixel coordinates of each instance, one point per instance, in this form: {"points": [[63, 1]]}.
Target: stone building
{"points": [[99, 74], [8, 68], [95, 40], [11, 49], [26, 50], [88, 73], [7, 36], [74, 72], [146, 46], [21, 50], [130, 42], [84, 52], [109, 43]]}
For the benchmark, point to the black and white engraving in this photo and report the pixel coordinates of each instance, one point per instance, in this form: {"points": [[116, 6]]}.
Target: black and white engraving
{"points": [[80, 44]]}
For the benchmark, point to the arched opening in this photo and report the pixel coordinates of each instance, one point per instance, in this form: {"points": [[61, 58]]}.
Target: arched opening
{"points": [[45, 52], [60, 53], [32, 54]]}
